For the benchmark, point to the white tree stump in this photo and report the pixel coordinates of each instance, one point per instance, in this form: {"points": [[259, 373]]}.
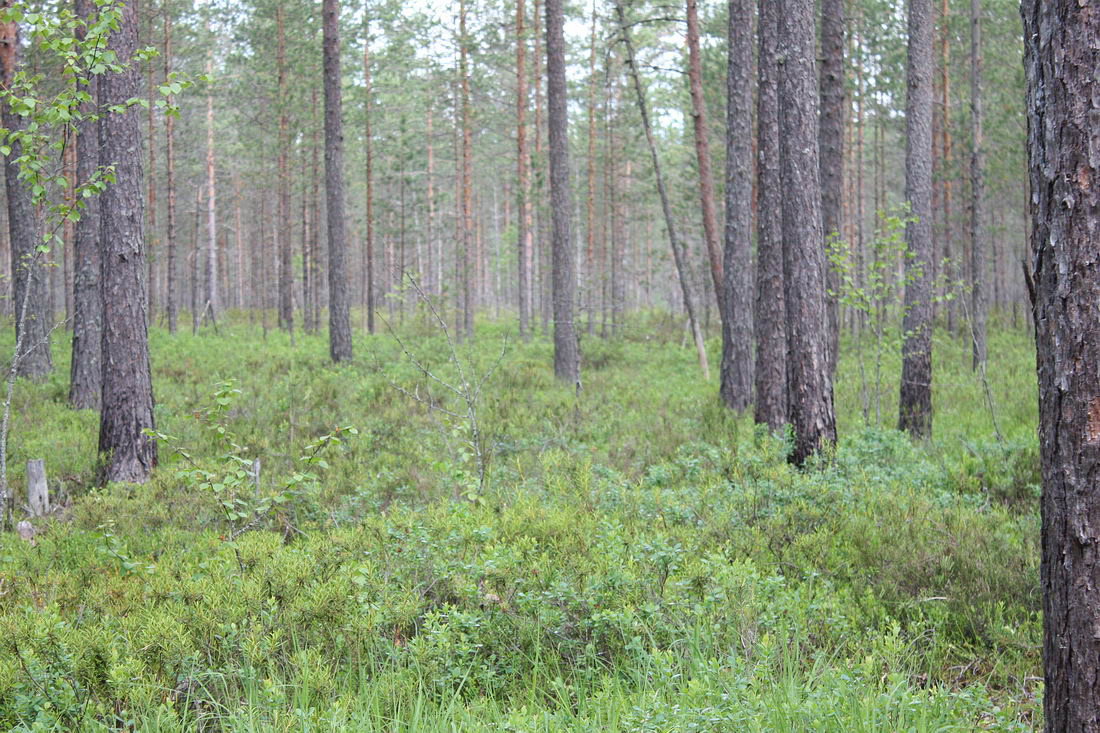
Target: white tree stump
{"points": [[38, 492]]}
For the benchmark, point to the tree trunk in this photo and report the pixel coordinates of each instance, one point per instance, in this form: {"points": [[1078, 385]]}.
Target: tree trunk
{"points": [[977, 172], [31, 282], [951, 269], [831, 145], [523, 214], [211, 305], [809, 386], [590, 201], [770, 309], [735, 283], [915, 405], [1061, 61], [127, 409], [172, 276], [368, 144], [678, 255], [338, 318], [286, 271], [153, 241], [85, 385], [469, 261], [567, 365]]}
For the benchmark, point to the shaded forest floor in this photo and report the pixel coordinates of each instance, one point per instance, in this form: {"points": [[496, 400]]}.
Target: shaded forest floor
{"points": [[638, 559]]}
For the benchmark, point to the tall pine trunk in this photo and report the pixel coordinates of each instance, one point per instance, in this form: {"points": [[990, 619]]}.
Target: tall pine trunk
{"points": [[809, 387], [977, 172], [339, 322], [85, 386], [127, 405], [1061, 58], [769, 323], [28, 266], [567, 365], [915, 405], [735, 281], [523, 214], [831, 146]]}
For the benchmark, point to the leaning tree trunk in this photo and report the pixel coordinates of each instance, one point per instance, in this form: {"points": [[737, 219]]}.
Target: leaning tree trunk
{"points": [[810, 388], [977, 165], [736, 281], [85, 385], [339, 322], [1061, 60], [702, 150], [127, 410], [678, 255], [567, 365], [769, 322], [831, 146], [28, 266], [915, 405]]}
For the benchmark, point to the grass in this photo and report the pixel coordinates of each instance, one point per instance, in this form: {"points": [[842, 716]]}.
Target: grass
{"points": [[641, 560]]}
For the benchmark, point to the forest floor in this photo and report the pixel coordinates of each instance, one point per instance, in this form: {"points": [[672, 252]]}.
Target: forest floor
{"points": [[638, 559]]}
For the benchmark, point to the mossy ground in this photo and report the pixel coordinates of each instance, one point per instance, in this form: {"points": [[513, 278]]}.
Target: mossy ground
{"points": [[640, 559]]}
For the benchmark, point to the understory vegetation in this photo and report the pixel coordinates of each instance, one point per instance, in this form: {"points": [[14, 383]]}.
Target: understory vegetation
{"points": [[637, 558]]}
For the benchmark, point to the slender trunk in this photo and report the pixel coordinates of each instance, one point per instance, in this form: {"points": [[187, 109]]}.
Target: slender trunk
{"points": [[523, 215], [172, 276], [567, 365], [702, 148], [85, 385], [736, 283], [127, 404], [212, 304], [590, 203], [831, 144], [915, 405], [469, 262], [368, 143], [286, 271], [951, 270], [977, 166], [809, 386], [31, 282], [153, 241], [339, 321], [678, 255]]}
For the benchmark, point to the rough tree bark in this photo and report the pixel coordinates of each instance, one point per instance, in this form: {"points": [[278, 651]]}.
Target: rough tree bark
{"points": [[678, 254], [469, 261], [127, 403], [85, 387], [339, 323], [567, 366], [977, 166], [915, 405], [831, 146], [30, 291], [810, 389], [769, 322], [736, 281], [1061, 58]]}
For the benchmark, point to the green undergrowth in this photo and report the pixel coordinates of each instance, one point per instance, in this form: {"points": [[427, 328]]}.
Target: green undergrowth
{"points": [[638, 560]]}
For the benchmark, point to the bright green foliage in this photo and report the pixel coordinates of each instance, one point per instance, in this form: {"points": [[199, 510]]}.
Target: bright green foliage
{"points": [[640, 561]]}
